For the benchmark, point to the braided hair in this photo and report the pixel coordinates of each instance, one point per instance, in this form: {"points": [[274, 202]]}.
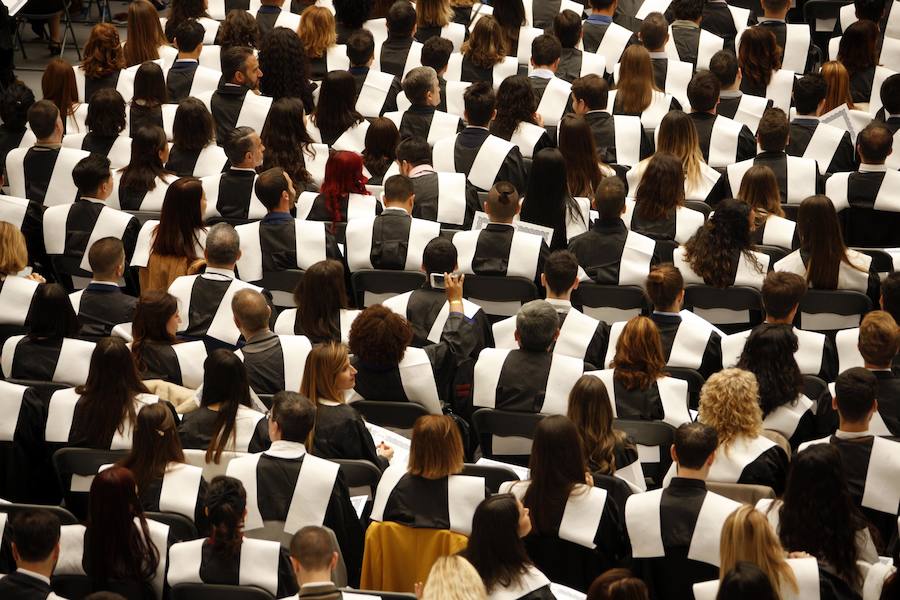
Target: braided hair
{"points": [[226, 501]]}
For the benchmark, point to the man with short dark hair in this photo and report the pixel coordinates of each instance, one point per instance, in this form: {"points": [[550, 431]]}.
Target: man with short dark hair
{"points": [[674, 531], [794, 41], [446, 197], [376, 92], [273, 362], [869, 461], [271, 14], [399, 52], [550, 92], [279, 242], [102, 305], [847, 340], [230, 195], [772, 136], [288, 488], [724, 20], [580, 336], [654, 35], [830, 146], [609, 253], [693, 44], [620, 139], [879, 342], [71, 229], [602, 35], [186, 77], [573, 62], [236, 101], [723, 141], [436, 53], [34, 536], [314, 560], [482, 156], [42, 173], [422, 120], [870, 196], [890, 113], [733, 103]]}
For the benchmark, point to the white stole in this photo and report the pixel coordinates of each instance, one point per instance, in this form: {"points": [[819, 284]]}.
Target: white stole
{"points": [[11, 396], [15, 299], [778, 231], [60, 190], [526, 136], [613, 44], [750, 110], [374, 93], [628, 131], [823, 144], [796, 47], [417, 379], [723, 143], [180, 488], [13, 210], [554, 100], [780, 88], [882, 487]]}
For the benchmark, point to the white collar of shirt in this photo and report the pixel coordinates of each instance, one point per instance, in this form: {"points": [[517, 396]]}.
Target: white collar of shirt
{"points": [[325, 402], [890, 116], [504, 224], [286, 449], [559, 303], [851, 435], [477, 127], [317, 583], [38, 576], [395, 209], [685, 23], [109, 283], [94, 200], [730, 94], [187, 60], [867, 168], [543, 73], [773, 19], [668, 314], [659, 55], [599, 110], [806, 117], [419, 170], [229, 273], [243, 169]]}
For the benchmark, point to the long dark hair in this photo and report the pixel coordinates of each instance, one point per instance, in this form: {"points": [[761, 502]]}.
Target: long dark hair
{"points": [[769, 354], [318, 296], [758, 56], [115, 546], [192, 127], [154, 445], [182, 10], [151, 315], [286, 139], [714, 250], [858, 49], [106, 113], [336, 111], [578, 148], [557, 466], [821, 242], [510, 15], [661, 189], [225, 383], [816, 491], [180, 219], [226, 500], [52, 315], [495, 548], [547, 200], [107, 396], [591, 412], [145, 165], [149, 86], [515, 103], [382, 138], [285, 67]]}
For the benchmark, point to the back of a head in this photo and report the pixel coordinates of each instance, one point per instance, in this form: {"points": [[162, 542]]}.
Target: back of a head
{"points": [[875, 143], [17, 98], [600, 4], [664, 283], [653, 31], [312, 547], [106, 113], [294, 414], [775, 6], [560, 271], [781, 293], [746, 581], [890, 94], [42, 116], [188, 35], [703, 91], [436, 52], [360, 47], [192, 128], [52, 313], [809, 91], [238, 144], [379, 336], [234, 60], [724, 65], [440, 256], [226, 501], [479, 100], [694, 442], [105, 255], [414, 151], [545, 50], [567, 28], [593, 90], [250, 308], [870, 10], [269, 187], [773, 130], [879, 339], [890, 295], [688, 10], [502, 201], [13, 249], [855, 390], [418, 82], [618, 584], [453, 578], [223, 245], [609, 198], [536, 325], [401, 19], [436, 450], [90, 173], [35, 534]]}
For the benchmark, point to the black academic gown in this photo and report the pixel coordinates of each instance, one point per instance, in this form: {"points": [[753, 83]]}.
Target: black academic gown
{"points": [[217, 568], [844, 157], [492, 251], [522, 385], [144, 116], [37, 166], [466, 148], [320, 212], [180, 78], [225, 106], [197, 428], [668, 326], [428, 199], [687, 43], [160, 362], [746, 146], [98, 144], [569, 67], [599, 250], [182, 162], [80, 224], [415, 123], [21, 586], [862, 224], [26, 454], [717, 19], [393, 55], [777, 161], [889, 400], [420, 503], [341, 433], [235, 193], [779, 28], [861, 83], [263, 358], [278, 244], [102, 307], [149, 496], [603, 128], [390, 101], [36, 359], [93, 85], [422, 309]]}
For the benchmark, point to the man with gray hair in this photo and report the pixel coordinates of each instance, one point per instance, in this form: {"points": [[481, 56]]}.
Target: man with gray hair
{"points": [[422, 120], [204, 301], [530, 378], [230, 195]]}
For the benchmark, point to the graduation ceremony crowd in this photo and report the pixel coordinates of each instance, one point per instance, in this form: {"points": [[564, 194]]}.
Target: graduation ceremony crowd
{"points": [[450, 300]]}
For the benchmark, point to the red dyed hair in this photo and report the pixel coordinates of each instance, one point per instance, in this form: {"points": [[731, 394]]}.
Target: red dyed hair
{"points": [[343, 175]]}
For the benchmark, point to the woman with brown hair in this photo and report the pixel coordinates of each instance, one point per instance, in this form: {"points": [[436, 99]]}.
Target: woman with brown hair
{"points": [[194, 151], [511, 18], [150, 94], [58, 86], [584, 169], [336, 111], [173, 246], [145, 39], [858, 52], [823, 258], [340, 431], [484, 54], [637, 381], [569, 550], [103, 60], [380, 150], [759, 189], [105, 123], [323, 313], [144, 181], [288, 143], [154, 348], [420, 494], [319, 38], [436, 18], [837, 79], [607, 450], [677, 136], [517, 119], [659, 210], [238, 29], [156, 459], [636, 93], [760, 62], [185, 10]]}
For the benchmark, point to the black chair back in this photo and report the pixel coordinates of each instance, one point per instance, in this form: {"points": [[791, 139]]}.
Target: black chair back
{"points": [[706, 299], [774, 253], [396, 416], [205, 591], [281, 284], [664, 251], [68, 272], [816, 389], [77, 587], [372, 286], [657, 434], [494, 475], [694, 380], [499, 297], [64, 516], [361, 476], [76, 463], [511, 433], [611, 303], [181, 529], [827, 311], [881, 260]]}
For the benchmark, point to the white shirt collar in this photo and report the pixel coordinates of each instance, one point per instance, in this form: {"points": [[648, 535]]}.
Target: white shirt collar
{"points": [[852, 435], [543, 73], [109, 283], [598, 110], [286, 449], [867, 168], [94, 200], [659, 55], [217, 271], [325, 402], [559, 303], [807, 117], [395, 209], [38, 576], [233, 168], [420, 170]]}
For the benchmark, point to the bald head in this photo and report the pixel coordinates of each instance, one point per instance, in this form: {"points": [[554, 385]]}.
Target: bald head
{"points": [[251, 312]]}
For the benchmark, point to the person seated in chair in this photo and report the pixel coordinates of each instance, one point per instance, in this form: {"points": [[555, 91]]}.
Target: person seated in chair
{"points": [[879, 341], [230, 195], [34, 535], [314, 560], [422, 120], [102, 305]]}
